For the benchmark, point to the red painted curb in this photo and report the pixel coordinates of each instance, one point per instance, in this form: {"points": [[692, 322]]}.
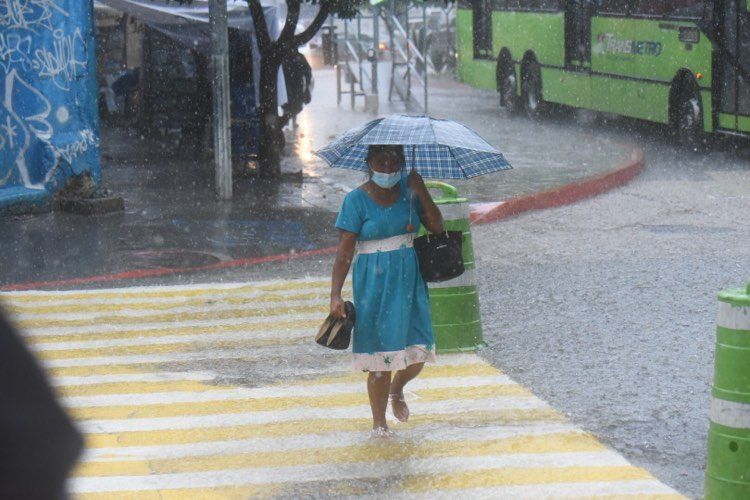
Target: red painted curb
{"points": [[567, 194], [563, 195]]}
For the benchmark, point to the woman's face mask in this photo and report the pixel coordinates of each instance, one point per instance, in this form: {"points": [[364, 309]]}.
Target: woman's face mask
{"points": [[386, 169], [386, 181]]}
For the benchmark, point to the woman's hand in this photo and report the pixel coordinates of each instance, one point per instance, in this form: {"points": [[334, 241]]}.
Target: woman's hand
{"points": [[415, 182], [430, 215], [337, 307]]}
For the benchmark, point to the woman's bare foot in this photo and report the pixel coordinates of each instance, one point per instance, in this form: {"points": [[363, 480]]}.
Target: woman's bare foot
{"points": [[399, 407], [381, 432]]}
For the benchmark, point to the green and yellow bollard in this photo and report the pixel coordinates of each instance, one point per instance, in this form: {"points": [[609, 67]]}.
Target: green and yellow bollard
{"points": [[728, 460], [454, 304]]}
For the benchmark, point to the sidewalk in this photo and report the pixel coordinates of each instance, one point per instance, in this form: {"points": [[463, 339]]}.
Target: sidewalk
{"points": [[172, 221], [218, 391]]}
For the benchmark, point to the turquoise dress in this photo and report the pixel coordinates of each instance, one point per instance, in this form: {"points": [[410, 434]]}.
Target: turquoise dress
{"points": [[393, 328]]}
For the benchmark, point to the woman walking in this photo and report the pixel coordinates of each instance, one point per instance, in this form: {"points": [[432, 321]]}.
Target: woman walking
{"points": [[393, 332]]}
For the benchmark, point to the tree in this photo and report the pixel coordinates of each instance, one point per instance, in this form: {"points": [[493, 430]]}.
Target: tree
{"points": [[272, 55]]}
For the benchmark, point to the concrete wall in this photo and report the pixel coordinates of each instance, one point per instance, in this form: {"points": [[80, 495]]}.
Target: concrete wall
{"points": [[49, 126]]}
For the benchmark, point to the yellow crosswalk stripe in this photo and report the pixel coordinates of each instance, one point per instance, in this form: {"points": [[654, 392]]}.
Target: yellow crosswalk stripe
{"points": [[270, 404], [92, 371], [275, 325], [167, 437], [428, 372], [155, 429], [368, 452], [174, 347], [136, 388], [510, 476], [476, 369], [639, 496], [174, 317], [232, 493], [206, 302]]}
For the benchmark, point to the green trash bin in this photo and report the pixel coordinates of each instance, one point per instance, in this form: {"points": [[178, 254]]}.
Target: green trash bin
{"points": [[728, 459], [454, 304]]}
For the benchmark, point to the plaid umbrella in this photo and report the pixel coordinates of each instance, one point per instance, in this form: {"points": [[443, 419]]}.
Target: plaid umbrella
{"points": [[440, 149]]}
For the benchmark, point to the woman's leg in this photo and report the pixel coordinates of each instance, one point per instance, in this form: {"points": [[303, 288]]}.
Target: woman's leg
{"points": [[378, 385], [402, 377]]}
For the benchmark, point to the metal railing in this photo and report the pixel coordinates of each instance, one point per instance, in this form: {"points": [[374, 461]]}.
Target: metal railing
{"points": [[404, 47], [352, 66]]}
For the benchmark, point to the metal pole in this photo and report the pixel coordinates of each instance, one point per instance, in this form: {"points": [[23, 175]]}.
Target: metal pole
{"points": [[217, 13], [338, 84], [376, 46], [408, 54], [359, 52], [424, 53]]}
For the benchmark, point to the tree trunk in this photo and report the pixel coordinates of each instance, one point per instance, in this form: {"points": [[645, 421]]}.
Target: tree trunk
{"points": [[271, 135], [272, 53]]}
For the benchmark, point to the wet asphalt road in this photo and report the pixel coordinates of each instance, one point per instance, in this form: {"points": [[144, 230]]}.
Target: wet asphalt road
{"points": [[607, 308]]}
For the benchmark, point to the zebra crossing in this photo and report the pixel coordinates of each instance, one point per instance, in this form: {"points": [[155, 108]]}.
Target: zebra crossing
{"points": [[217, 391]]}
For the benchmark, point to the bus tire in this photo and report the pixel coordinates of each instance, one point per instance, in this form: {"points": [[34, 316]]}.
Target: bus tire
{"points": [[688, 121], [508, 97], [531, 89]]}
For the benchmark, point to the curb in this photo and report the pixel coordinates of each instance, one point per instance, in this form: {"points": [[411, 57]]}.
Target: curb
{"points": [[482, 214], [563, 195], [166, 271]]}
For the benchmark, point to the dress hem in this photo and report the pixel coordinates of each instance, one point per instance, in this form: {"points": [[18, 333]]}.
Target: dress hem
{"points": [[394, 360]]}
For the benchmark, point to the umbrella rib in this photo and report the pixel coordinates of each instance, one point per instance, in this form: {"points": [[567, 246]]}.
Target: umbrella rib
{"points": [[453, 156]]}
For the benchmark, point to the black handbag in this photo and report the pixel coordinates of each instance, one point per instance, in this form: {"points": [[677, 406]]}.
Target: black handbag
{"points": [[336, 333], [439, 255]]}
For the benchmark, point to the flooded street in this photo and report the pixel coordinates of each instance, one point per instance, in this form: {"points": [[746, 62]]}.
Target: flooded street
{"points": [[608, 307], [260, 320]]}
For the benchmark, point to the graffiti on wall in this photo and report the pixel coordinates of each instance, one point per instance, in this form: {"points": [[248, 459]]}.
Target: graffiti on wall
{"points": [[47, 115]]}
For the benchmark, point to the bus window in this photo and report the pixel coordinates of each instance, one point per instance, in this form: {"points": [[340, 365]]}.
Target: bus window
{"points": [[617, 7], [578, 33], [686, 9], [743, 63], [649, 8], [482, 28], [533, 5], [735, 83]]}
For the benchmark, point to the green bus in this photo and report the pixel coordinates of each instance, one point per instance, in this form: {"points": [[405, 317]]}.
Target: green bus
{"points": [[685, 63]]}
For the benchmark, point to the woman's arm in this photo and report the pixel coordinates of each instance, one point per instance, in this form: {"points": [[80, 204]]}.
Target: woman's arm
{"points": [[344, 256], [430, 214]]}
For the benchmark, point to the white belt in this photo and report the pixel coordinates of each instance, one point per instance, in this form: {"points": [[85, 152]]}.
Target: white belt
{"points": [[386, 244]]}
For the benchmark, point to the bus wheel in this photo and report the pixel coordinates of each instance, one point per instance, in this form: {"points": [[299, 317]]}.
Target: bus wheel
{"points": [[689, 122], [508, 98], [531, 90]]}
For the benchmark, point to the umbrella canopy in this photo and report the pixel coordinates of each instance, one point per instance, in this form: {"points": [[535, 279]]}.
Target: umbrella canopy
{"points": [[440, 149]]}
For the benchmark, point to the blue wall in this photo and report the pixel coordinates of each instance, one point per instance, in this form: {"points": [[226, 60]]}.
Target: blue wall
{"points": [[49, 126]]}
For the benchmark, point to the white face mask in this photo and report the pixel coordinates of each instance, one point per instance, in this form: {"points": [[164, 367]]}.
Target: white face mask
{"points": [[386, 181]]}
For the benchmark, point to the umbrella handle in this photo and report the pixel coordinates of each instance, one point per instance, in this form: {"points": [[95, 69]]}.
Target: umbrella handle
{"points": [[449, 192]]}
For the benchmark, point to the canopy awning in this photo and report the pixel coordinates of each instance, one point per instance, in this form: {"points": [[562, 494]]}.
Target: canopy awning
{"points": [[188, 24], [172, 13]]}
